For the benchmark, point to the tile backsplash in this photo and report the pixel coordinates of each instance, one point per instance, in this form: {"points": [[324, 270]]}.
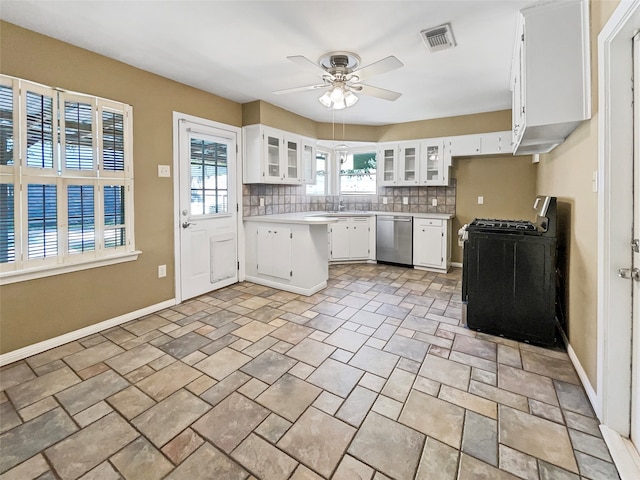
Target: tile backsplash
{"points": [[293, 198]]}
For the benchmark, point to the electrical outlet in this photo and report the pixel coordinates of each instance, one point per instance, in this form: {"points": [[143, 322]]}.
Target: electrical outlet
{"points": [[162, 271], [434, 202], [164, 171], [384, 200], [262, 201], [480, 200], [405, 200]]}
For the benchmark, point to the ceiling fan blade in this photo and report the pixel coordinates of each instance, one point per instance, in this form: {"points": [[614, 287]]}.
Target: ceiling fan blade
{"points": [[376, 68], [376, 92], [310, 66], [299, 89]]}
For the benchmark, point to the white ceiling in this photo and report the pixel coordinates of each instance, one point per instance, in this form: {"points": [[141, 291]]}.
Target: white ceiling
{"points": [[238, 49]]}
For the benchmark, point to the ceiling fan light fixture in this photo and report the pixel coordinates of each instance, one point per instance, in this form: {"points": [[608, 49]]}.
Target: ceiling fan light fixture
{"points": [[337, 94], [350, 98], [325, 99], [338, 98]]}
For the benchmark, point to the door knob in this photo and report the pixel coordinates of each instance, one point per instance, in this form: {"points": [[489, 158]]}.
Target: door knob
{"points": [[185, 224], [629, 273]]}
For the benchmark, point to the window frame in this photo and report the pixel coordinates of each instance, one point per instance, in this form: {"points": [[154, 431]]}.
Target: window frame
{"points": [[21, 175], [329, 155]]}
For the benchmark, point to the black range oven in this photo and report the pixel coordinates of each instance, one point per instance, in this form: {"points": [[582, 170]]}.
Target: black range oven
{"points": [[509, 275]]}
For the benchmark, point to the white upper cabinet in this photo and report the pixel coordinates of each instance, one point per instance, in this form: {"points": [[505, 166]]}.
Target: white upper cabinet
{"points": [[387, 165], [271, 156], [496, 143], [308, 161], [480, 144], [414, 163], [434, 163], [409, 164], [550, 82], [292, 159], [465, 145]]}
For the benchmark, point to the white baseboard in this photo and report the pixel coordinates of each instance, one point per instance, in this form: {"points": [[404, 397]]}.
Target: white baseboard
{"points": [[21, 353], [288, 288], [456, 264], [624, 454], [595, 400]]}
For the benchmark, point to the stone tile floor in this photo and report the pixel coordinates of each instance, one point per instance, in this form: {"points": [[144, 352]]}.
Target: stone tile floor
{"points": [[371, 378]]}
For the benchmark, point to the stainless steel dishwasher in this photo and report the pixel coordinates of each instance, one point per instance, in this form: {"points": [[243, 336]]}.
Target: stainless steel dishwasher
{"points": [[394, 239]]}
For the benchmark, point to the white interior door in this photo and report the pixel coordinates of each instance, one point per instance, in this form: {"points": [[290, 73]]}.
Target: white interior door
{"points": [[206, 216], [635, 341]]}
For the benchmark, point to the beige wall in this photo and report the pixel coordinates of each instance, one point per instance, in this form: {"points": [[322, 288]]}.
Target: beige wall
{"points": [[567, 172], [276, 117], [443, 127], [40, 309], [507, 183]]}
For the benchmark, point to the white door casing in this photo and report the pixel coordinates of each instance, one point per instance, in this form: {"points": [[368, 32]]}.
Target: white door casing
{"points": [[206, 217], [612, 395]]}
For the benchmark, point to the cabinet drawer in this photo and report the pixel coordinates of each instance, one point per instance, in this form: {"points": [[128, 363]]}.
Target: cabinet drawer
{"points": [[428, 222]]}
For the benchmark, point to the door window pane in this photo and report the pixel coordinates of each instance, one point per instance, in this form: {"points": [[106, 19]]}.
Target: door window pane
{"points": [[39, 130], [42, 221], [6, 125], [209, 177], [7, 225], [81, 216]]}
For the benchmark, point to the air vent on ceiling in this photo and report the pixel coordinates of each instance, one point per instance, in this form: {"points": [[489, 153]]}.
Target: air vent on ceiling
{"points": [[438, 38]]}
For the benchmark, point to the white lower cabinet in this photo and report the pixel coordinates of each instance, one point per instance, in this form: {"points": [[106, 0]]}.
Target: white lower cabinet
{"points": [[288, 256], [350, 239], [431, 248], [274, 252]]}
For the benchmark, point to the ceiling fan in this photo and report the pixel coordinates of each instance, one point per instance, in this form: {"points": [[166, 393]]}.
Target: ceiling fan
{"points": [[341, 78]]}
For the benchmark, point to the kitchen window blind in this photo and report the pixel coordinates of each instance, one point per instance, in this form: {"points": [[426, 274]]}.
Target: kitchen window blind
{"points": [[66, 180]]}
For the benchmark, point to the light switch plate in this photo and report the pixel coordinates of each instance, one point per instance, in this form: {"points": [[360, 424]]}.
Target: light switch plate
{"points": [[384, 200], [262, 201], [162, 271], [405, 200], [164, 171], [480, 200], [434, 202]]}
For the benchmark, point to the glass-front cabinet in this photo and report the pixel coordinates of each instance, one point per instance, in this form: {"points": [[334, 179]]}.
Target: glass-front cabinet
{"points": [[409, 165], [292, 160], [414, 163], [272, 145], [435, 163], [271, 156], [387, 160]]}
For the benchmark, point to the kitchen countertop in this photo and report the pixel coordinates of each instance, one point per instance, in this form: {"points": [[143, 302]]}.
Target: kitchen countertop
{"points": [[304, 218], [319, 217]]}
